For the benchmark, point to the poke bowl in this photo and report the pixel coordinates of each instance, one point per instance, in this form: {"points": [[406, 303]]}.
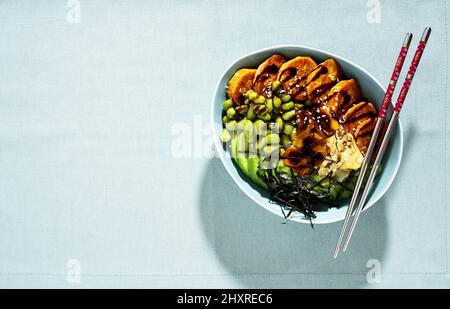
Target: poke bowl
{"points": [[291, 125]]}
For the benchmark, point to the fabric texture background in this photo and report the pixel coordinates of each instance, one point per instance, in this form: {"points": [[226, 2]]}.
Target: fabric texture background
{"points": [[88, 118]]}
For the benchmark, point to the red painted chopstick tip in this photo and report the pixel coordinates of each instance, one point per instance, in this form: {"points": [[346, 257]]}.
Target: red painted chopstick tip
{"points": [[412, 69], [397, 69]]}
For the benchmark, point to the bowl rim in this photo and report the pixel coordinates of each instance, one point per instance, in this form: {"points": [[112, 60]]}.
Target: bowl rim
{"points": [[220, 151]]}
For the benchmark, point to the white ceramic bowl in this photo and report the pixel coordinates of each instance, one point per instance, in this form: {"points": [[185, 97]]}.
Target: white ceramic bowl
{"points": [[371, 89]]}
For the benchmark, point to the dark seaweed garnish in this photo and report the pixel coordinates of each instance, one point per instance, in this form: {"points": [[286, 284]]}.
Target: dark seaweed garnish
{"points": [[294, 193]]}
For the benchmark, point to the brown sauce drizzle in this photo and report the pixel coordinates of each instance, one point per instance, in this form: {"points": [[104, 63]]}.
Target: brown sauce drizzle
{"points": [[319, 94], [323, 121]]}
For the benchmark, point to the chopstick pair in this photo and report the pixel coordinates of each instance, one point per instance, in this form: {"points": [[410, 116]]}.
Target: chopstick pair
{"points": [[385, 139]]}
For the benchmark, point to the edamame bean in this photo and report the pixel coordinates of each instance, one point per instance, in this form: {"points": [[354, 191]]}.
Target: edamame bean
{"points": [[293, 134], [269, 105], [241, 109], [281, 167], [227, 104], [260, 109], [276, 85], [260, 127], [268, 150], [247, 128], [273, 127], [282, 152], [225, 137], [247, 124], [280, 124], [288, 129], [225, 119], [251, 95], [265, 117], [288, 115], [287, 106], [273, 139], [231, 125], [276, 102], [260, 100], [285, 98], [240, 125], [298, 106], [231, 112], [251, 113], [285, 140]]}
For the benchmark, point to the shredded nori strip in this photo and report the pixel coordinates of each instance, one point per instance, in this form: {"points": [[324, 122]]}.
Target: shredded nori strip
{"points": [[294, 193]]}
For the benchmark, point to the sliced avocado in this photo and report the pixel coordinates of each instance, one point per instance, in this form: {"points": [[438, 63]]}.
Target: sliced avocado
{"points": [[253, 165], [237, 144], [234, 147]]}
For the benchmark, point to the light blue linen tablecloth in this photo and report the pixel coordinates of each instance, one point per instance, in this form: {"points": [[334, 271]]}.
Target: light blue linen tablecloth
{"points": [[90, 185]]}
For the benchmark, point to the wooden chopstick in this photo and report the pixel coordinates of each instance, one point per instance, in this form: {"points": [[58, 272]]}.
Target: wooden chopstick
{"points": [[384, 106], [392, 123]]}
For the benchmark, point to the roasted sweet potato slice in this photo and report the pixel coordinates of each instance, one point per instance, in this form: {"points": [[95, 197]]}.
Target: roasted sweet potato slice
{"points": [[358, 115], [365, 128], [239, 84], [342, 96], [359, 110], [293, 75], [360, 121], [321, 79], [266, 74]]}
